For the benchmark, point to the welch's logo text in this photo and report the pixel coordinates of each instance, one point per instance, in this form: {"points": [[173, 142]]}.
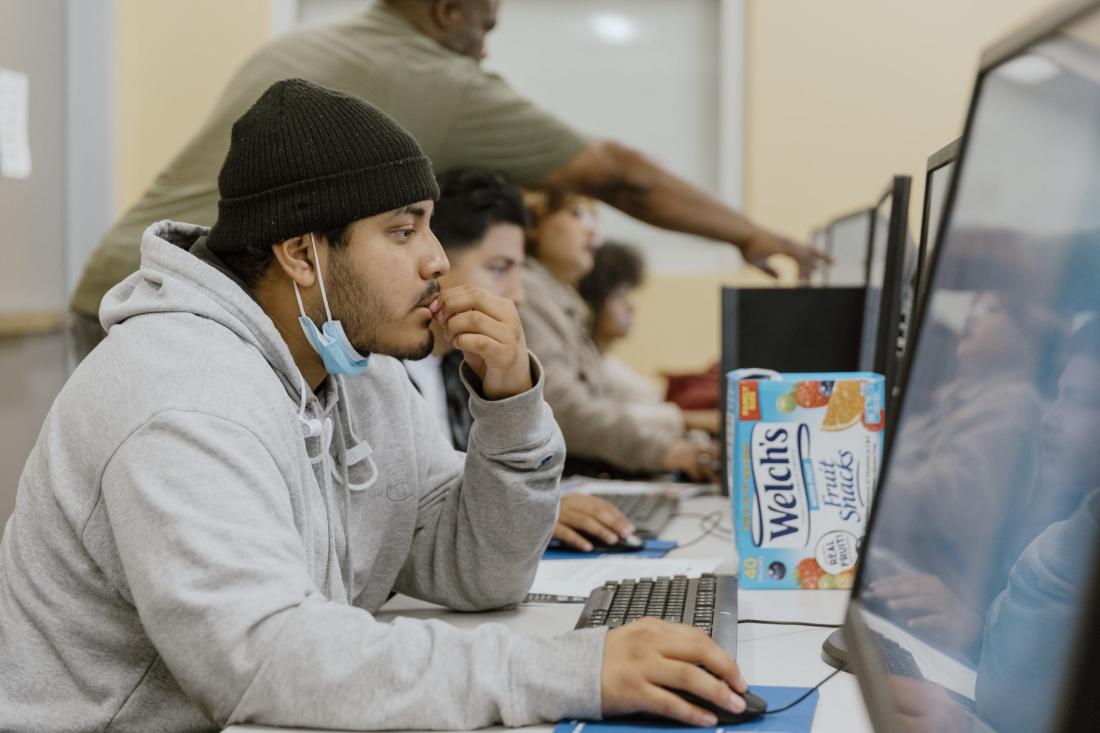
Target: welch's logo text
{"points": [[779, 454]]}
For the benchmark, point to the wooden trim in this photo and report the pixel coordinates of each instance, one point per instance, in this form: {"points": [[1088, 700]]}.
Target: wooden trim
{"points": [[14, 324]]}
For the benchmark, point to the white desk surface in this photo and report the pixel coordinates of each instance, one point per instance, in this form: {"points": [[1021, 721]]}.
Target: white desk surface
{"points": [[768, 655]]}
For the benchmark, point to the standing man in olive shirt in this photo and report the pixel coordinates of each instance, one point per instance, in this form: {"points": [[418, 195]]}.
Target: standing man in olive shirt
{"points": [[418, 60]]}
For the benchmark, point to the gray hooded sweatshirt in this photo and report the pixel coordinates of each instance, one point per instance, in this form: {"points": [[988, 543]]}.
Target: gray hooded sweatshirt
{"points": [[180, 555]]}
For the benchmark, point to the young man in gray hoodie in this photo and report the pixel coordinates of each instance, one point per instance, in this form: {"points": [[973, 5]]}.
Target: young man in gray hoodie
{"points": [[223, 493]]}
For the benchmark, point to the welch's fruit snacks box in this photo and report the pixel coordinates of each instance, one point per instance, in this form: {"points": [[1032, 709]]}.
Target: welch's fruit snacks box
{"points": [[804, 451]]}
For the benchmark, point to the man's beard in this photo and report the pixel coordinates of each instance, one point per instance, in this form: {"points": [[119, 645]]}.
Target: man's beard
{"points": [[363, 313]]}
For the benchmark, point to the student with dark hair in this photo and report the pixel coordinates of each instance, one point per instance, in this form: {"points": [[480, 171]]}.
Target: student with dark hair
{"points": [[618, 270], [234, 482], [480, 220]]}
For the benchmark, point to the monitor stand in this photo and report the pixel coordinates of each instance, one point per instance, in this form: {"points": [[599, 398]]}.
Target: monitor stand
{"points": [[834, 652]]}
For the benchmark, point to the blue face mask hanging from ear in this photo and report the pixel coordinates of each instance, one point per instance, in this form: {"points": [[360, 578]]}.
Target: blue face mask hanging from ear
{"points": [[331, 343]]}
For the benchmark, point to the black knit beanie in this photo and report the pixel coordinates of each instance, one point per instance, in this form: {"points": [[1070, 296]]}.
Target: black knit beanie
{"points": [[304, 159]]}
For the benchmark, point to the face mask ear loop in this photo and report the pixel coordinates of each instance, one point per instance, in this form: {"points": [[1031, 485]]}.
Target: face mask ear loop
{"points": [[349, 572], [374, 472], [321, 280], [298, 295]]}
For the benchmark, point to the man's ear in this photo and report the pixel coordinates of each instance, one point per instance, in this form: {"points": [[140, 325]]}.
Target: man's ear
{"points": [[295, 257], [447, 14]]}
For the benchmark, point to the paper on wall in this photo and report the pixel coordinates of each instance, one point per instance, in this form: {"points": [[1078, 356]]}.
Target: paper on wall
{"points": [[15, 148]]}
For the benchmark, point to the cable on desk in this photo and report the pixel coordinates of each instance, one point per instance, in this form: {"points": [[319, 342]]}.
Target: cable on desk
{"points": [[717, 528], [788, 623], [804, 695], [715, 518]]}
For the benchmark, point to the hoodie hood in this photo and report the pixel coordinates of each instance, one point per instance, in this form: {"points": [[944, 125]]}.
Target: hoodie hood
{"points": [[172, 279], [179, 274]]}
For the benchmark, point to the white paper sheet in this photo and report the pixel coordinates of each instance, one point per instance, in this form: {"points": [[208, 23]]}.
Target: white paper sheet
{"points": [[580, 577], [15, 147]]}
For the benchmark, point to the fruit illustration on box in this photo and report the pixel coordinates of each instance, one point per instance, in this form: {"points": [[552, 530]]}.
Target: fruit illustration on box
{"points": [[813, 393], [809, 573], [845, 406]]}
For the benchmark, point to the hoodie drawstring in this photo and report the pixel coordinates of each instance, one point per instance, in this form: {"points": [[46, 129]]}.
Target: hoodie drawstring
{"points": [[359, 452]]}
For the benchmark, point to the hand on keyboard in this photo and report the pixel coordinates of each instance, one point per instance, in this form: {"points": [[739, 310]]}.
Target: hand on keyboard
{"points": [[594, 516], [645, 660]]}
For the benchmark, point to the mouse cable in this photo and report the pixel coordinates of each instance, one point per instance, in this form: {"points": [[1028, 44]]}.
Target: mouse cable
{"points": [[707, 523], [716, 526], [804, 695], [788, 623]]}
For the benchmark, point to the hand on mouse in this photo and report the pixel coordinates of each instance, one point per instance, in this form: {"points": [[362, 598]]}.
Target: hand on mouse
{"points": [[599, 518], [487, 329], [645, 660]]}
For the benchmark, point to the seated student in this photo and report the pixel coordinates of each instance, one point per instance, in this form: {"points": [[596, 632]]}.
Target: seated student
{"points": [[480, 219], [598, 426], [215, 506], [618, 269]]}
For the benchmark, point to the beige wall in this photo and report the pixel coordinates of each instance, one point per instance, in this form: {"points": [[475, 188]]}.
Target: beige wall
{"points": [[173, 60], [844, 94], [840, 96]]}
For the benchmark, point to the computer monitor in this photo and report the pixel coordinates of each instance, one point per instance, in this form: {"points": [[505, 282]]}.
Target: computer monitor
{"points": [[941, 164], [847, 240], [889, 250], [976, 604]]}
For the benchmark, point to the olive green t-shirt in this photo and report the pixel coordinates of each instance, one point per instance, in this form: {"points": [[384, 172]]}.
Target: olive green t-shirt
{"points": [[460, 114]]}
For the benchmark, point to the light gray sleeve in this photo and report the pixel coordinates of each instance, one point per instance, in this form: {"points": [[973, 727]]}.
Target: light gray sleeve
{"points": [[216, 571], [483, 524]]}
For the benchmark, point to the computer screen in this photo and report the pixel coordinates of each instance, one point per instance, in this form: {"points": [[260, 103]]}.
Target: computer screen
{"points": [[979, 565], [848, 241]]}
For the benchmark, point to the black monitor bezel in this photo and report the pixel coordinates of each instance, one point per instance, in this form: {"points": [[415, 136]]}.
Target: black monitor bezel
{"points": [[885, 361], [1078, 706], [944, 156]]}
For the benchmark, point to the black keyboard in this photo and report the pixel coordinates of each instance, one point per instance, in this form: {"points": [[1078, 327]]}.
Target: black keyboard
{"points": [[649, 513], [708, 603]]}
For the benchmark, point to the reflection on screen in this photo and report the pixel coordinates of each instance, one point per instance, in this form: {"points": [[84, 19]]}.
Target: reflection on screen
{"points": [[876, 276], [848, 248], [988, 516]]}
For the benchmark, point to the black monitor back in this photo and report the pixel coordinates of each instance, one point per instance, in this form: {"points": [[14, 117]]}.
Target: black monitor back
{"points": [[788, 330]]}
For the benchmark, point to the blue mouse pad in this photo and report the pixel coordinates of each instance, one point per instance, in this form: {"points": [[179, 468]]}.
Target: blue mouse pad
{"points": [[798, 719], [651, 548]]}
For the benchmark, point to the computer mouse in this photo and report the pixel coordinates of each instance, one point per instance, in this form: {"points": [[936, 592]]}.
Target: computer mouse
{"points": [[755, 706], [633, 543]]}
